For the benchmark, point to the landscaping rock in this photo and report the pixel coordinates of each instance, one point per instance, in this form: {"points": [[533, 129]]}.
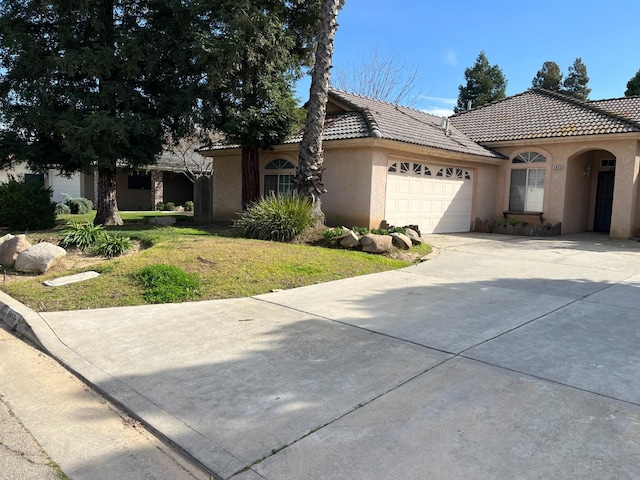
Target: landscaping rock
{"points": [[372, 243], [415, 237], [414, 228], [11, 247], [401, 241], [410, 232], [39, 258], [6, 237], [350, 240], [162, 221], [417, 240]]}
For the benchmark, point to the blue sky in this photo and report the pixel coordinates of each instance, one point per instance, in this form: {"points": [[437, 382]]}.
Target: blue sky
{"points": [[442, 38]]}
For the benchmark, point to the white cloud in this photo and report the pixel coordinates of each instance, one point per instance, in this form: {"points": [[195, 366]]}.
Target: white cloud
{"points": [[441, 100], [443, 107], [439, 111]]}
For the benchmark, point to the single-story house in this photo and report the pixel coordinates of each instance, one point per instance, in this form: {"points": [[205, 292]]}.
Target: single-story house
{"points": [[165, 181], [539, 156]]}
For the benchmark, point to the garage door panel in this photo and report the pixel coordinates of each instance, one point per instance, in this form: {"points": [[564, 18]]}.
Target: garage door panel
{"points": [[437, 203]]}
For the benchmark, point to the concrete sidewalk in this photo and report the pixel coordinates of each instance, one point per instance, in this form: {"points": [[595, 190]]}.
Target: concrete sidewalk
{"points": [[504, 357]]}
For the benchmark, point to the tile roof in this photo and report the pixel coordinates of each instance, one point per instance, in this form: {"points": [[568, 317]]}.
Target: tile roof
{"points": [[539, 113], [628, 107], [340, 126], [407, 125]]}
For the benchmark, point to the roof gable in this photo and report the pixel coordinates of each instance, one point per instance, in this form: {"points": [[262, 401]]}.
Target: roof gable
{"points": [[395, 122], [539, 113]]}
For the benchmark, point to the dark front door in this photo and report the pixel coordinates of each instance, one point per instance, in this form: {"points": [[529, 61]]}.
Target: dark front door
{"points": [[604, 202]]}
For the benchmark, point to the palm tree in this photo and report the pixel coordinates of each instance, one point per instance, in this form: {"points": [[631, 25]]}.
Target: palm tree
{"points": [[310, 160]]}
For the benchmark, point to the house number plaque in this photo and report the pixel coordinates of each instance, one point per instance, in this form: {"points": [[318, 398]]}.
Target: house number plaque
{"points": [[557, 167]]}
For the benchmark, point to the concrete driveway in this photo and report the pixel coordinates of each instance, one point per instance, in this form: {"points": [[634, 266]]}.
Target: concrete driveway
{"points": [[503, 357]]}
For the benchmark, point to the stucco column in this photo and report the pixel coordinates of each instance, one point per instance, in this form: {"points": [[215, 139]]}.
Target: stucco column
{"points": [[625, 195], [157, 188]]}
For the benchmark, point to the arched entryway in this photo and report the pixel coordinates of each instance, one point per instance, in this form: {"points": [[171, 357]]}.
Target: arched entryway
{"points": [[589, 186]]}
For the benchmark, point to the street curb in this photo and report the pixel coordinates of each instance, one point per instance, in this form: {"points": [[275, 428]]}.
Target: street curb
{"points": [[21, 319]]}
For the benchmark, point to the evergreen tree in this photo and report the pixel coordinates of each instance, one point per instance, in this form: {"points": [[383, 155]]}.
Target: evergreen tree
{"points": [[575, 85], [485, 83], [549, 77], [257, 56], [633, 86], [97, 84]]}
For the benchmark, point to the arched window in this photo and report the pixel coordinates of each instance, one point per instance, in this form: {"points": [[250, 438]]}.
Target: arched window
{"points": [[278, 178], [526, 193]]}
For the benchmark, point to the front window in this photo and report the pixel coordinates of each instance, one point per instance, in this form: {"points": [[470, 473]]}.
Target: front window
{"points": [[279, 177], [526, 193]]}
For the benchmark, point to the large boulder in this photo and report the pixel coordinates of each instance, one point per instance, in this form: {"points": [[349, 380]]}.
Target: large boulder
{"points": [[373, 243], [11, 247], [401, 241], [39, 258], [350, 240]]}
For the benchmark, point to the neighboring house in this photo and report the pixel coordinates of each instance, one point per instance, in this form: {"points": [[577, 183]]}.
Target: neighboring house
{"points": [[166, 181], [538, 156], [59, 184]]}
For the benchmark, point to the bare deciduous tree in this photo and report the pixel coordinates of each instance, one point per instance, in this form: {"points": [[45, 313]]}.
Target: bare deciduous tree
{"points": [[383, 76]]}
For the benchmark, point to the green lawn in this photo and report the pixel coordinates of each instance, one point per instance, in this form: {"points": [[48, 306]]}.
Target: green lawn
{"points": [[226, 266]]}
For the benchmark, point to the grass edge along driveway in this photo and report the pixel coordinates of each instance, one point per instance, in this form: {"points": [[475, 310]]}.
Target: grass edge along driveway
{"points": [[226, 266]]}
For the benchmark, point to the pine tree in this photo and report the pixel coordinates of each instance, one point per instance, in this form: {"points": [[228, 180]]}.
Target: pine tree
{"points": [[548, 77], [575, 85], [257, 57], [633, 86], [97, 84], [485, 83]]}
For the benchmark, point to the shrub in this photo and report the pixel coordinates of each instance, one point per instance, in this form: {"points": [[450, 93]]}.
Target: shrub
{"points": [[170, 207], [167, 284], [280, 218], [333, 233], [82, 236], [77, 205], [62, 209], [26, 206], [188, 206], [110, 246], [360, 230], [160, 206]]}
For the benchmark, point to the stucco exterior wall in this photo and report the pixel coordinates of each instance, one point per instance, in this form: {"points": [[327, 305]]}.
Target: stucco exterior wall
{"points": [[227, 185], [348, 179], [570, 192]]}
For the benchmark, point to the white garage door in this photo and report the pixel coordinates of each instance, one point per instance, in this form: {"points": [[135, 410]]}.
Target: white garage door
{"points": [[435, 197]]}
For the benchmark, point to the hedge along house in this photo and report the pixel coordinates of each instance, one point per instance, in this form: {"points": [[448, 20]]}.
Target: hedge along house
{"points": [[568, 161], [383, 162]]}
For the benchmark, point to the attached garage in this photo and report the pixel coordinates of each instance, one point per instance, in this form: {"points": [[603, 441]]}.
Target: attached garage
{"points": [[438, 198]]}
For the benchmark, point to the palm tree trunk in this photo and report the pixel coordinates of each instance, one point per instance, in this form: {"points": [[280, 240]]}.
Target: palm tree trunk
{"points": [[310, 164], [107, 201]]}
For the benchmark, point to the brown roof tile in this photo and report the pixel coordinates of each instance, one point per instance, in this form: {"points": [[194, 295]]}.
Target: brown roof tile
{"points": [[539, 113], [628, 107], [407, 125]]}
